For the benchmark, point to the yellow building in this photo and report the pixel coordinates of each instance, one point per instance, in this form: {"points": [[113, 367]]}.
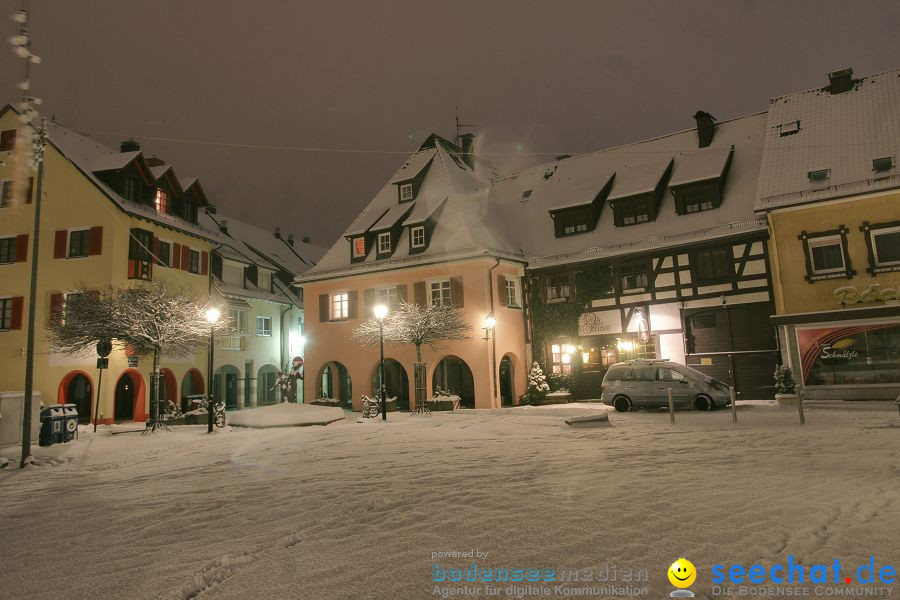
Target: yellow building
{"points": [[830, 186], [107, 219]]}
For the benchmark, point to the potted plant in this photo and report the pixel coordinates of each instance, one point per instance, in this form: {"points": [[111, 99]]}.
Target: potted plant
{"points": [[785, 386]]}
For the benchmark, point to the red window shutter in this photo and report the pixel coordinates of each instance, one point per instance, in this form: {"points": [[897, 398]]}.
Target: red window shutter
{"points": [[176, 256], [56, 307], [96, 241], [419, 296], [185, 258], [456, 292], [323, 308], [30, 191], [155, 250], [22, 247], [204, 263], [17, 306], [132, 268], [59, 243], [352, 305]]}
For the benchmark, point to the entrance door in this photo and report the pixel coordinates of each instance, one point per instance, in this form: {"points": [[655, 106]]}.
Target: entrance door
{"points": [[506, 388], [231, 390], [124, 404], [79, 394]]}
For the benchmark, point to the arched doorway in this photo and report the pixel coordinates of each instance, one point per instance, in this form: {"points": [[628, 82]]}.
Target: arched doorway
{"points": [[129, 397], [225, 385], [334, 382], [454, 374], [191, 385], [507, 376], [76, 388], [396, 382], [266, 392]]}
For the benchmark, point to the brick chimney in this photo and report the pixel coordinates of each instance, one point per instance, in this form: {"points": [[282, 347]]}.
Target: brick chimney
{"points": [[706, 128], [840, 81], [129, 145], [468, 143], [278, 232], [290, 239], [223, 226], [306, 239]]}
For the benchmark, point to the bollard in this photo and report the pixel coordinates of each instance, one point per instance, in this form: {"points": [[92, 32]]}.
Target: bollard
{"points": [[671, 405], [800, 406], [733, 404]]}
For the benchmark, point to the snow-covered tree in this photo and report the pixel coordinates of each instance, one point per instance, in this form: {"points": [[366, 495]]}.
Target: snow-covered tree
{"points": [[537, 385], [151, 319], [428, 325]]}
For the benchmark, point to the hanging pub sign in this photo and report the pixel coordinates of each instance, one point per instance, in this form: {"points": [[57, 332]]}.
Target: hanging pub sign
{"points": [[851, 354]]}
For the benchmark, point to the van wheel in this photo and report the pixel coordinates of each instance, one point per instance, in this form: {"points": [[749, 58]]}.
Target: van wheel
{"points": [[703, 403], [622, 404]]}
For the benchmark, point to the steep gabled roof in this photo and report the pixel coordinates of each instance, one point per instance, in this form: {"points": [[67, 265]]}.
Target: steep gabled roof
{"points": [[842, 133]]}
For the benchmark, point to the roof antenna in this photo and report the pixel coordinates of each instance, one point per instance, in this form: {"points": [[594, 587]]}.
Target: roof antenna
{"points": [[460, 126]]}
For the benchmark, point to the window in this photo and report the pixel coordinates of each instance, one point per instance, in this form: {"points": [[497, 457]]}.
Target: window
{"points": [[634, 276], [359, 247], [384, 243], [572, 222], [511, 292], [7, 140], [885, 163], [6, 193], [264, 281], [716, 264], [79, 243], [340, 305], [263, 326], [789, 128], [526, 195], [669, 375], [417, 237], [387, 295], [7, 250], [886, 246], [164, 254], [406, 192], [130, 189], [633, 213], [819, 175], [161, 202], [6, 306], [561, 358], [194, 261], [440, 293], [238, 319], [827, 255], [559, 287], [697, 198]]}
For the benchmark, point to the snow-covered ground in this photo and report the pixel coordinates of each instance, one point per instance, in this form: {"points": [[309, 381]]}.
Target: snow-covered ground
{"points": [[355, 510]]}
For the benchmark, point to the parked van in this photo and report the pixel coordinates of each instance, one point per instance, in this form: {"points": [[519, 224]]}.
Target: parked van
{"points": [[644, 383]]}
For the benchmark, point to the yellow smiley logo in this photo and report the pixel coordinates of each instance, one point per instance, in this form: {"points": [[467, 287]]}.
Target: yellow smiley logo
{"points": [[682, 573]]}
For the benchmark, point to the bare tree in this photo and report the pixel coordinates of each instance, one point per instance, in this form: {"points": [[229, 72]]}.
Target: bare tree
{"points": [[418, 325], [152, 319]]}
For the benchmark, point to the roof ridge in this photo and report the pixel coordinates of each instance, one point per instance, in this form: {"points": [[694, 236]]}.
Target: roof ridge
{"points": [[821, 88]]}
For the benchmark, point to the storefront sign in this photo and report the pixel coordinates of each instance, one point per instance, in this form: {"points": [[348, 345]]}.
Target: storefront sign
{"points": [[850, 355], [600, 323], [848, 294]]}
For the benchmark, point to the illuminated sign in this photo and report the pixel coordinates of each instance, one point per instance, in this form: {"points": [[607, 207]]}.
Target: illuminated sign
{"points": [[849, 294]]}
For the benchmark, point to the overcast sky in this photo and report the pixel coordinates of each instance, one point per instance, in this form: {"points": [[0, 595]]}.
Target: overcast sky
{"points": [[554, 76]]}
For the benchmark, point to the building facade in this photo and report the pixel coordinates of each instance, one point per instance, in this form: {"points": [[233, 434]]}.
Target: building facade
{"points": [[830, 188]]}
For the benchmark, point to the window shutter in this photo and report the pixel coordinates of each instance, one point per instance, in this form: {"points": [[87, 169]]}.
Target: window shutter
{"points": [[402, 294], [176, 256], [17, 305], [185, 258], [323, 308], [204, 263], [59, 243], [419, 293], [456, 292], [30, 192], [501, 290], [155, 248], [96, 241], [351, 305], [368, 301], [22, 247], [56, 307]]}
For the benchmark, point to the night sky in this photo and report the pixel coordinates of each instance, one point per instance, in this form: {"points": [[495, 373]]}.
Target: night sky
{"points": [[548, 77]]}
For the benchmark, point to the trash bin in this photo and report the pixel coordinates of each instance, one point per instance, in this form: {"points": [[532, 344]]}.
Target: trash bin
{"points": [[59, 424]]}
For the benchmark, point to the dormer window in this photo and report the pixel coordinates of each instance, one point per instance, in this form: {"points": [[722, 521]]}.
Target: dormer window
{"points": [[406, 192], [358, 247], [161, 202], [789, 128], [697, 197], [130, 189], [417, 237], [885, 163], [633, 212], [819, 175], [384, 243]]}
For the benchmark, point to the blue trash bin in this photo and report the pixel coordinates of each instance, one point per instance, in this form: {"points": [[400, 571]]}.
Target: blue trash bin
{"points": [[59, 424]]}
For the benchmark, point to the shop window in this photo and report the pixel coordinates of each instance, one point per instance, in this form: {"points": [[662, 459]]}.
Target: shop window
{"points": [[850, 355], [825, 254], [561, 358]]}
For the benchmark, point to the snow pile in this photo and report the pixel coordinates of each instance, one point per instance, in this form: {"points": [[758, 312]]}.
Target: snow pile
{"points": [[285, 415]]}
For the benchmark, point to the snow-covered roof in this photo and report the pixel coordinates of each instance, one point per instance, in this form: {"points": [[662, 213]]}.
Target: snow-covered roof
{"points": [[112, 161], [839, 133], [701, 166]]}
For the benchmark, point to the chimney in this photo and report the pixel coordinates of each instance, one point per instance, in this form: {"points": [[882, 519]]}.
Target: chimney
{"points": [[155, 161], [291, 239], [306, 239], [840, 81], [278, 232], [129, 145], [706, 128], [223, 226], [468, 141], [210, 209]]}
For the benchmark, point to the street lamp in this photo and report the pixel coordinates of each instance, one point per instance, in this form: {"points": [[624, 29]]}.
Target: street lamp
{"points": [[380, 311], [212, 317], [489, 323]]}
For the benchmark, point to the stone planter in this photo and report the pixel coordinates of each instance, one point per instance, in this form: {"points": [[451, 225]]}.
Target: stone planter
{"points": [[787, 399], [554, 398]]}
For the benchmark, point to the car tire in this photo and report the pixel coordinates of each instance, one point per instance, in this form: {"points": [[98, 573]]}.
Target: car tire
{"points": [[622, 404], [704, 403]]}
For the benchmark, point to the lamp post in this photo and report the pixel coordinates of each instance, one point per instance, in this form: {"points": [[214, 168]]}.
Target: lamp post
{"points": [[212, 317], [380, 311], [489, 323]]}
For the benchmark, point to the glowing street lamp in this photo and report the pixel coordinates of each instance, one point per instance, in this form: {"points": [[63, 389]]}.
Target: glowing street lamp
{"points": [[213, 315], [380, 311]]}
